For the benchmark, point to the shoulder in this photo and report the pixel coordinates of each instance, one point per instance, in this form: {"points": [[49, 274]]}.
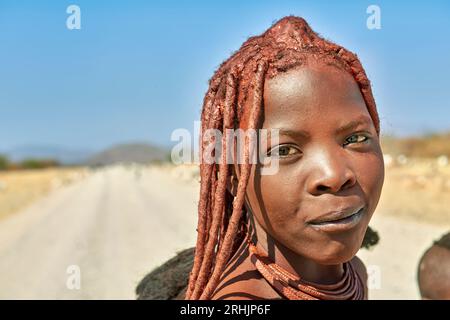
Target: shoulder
{"points": [[242, 281], [238, 286], [247, 290]]}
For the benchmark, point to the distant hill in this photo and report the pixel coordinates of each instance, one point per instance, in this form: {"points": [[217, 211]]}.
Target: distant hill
{"points": [[129, 153]]}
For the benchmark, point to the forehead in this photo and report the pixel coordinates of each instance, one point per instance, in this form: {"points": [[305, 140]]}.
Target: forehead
{"points": [[312, 95]]}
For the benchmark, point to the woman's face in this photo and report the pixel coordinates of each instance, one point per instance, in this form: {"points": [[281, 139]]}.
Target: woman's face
{"points": [[330, 173]]}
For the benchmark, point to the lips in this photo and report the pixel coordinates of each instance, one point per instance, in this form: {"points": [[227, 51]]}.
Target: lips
{"points": [[336, 216]]}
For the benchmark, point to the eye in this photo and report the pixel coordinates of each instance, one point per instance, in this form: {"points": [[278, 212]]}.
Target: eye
{"points": [[356, 138], [283, 151]]}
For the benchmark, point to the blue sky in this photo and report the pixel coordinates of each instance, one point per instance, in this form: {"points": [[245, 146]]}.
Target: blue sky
{"points": [[139, 69]]}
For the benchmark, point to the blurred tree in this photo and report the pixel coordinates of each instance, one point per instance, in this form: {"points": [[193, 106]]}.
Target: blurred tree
{"points": [[38, 163], [4, 162]]}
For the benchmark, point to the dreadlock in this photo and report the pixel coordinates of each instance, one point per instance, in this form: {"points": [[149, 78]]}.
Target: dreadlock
{"points": [[235, 99]]}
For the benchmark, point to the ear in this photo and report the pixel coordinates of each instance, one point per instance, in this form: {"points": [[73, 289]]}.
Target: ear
{"points": [[232, 183]]}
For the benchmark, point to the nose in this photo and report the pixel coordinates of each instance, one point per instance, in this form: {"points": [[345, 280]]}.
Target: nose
{"points": [[330, 173]]}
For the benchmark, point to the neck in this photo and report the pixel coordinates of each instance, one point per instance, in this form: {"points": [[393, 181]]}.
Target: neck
{"points": [[299, 265]]}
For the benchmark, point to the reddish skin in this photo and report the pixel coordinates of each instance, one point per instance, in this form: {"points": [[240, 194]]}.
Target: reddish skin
{"points": [[318, 175]]}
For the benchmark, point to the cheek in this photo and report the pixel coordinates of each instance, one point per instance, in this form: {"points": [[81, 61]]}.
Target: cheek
{"points": [[275, 199], [370, 176]]}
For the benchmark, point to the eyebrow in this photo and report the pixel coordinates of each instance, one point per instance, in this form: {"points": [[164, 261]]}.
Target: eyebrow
{"points": [[293, 133], [362, 120]]}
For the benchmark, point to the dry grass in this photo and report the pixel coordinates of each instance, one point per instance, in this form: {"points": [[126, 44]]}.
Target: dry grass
{"points": [[20, 188], [419, 190]]}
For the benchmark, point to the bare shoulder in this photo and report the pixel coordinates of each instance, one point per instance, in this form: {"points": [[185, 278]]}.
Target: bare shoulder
{"points": [[250, 289], [234, 291], [243, 282]]}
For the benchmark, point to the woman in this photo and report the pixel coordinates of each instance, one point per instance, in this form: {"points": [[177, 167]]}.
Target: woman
{"points": [[293, 234]]}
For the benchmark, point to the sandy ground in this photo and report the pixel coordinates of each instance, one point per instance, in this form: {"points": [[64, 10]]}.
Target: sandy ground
{"points": [[116, 224]]}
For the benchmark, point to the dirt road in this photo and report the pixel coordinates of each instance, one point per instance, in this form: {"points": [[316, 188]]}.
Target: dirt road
{"points": [[112, 227], [118, 223]]}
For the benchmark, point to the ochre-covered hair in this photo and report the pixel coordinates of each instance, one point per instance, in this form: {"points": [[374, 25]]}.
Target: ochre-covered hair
{"points": [[235, 100]]}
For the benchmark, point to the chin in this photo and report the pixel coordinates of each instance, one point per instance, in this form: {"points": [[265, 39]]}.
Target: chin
{"points": [[337, 250], [339, 255]]}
